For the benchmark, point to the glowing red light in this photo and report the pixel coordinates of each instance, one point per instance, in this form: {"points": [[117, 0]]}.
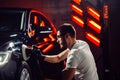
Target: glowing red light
{"points": [[78, 21], [94, 13], [77, 1], [76, 9], [35, 20], [51, 37], [49, 47], [42, 24], [92, 24], [93, 39]]}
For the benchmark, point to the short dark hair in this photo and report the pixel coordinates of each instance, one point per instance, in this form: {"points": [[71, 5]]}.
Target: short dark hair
{"points": [[67, 28]]}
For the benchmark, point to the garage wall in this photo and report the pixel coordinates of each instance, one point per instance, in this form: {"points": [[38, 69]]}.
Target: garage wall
{"points": [[57, 10]]}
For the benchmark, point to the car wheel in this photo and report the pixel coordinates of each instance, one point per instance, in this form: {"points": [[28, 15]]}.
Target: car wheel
{"points": [[24, 72]]}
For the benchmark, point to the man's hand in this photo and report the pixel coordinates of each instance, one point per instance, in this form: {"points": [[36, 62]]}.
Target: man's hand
{"points": [[38, 52]]}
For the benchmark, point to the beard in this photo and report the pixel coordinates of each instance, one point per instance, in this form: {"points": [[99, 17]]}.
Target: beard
{"points": [[64, 44]]}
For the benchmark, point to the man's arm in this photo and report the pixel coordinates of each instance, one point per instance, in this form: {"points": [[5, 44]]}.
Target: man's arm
{"points": [[68, 73], [57, 58]]}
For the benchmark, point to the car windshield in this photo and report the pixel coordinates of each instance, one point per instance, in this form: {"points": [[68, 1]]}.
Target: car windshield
{"points": [[10, 21]]}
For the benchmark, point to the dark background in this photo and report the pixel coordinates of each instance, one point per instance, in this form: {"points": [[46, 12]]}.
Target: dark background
{"points": [[57, 10]]}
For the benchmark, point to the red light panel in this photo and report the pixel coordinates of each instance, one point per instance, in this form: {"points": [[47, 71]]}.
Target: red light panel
{"points": [[77, 1], [78, 21], [76, 9], [93, 39], [93, 13], [92, 24]]}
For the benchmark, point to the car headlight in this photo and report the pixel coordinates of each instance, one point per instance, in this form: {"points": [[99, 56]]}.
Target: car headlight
{"points": [[3, 58]]}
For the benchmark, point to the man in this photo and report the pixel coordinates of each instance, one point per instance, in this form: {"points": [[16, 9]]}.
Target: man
{"points": [[80, 63]]}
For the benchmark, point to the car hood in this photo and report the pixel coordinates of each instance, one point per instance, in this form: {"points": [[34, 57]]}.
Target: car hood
{"points": [[6, 37]]}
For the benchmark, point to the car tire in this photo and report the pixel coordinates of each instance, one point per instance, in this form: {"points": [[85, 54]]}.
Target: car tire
{"points": [[24, 72]]}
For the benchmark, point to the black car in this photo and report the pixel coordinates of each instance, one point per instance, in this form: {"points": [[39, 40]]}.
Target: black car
{"points": [[31, 27]]}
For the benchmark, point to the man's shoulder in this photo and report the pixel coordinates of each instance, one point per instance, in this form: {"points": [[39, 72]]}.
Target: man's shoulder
{"points": [[81, 42]]}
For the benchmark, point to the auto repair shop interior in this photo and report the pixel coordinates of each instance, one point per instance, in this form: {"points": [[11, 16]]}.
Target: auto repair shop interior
{"points": [[105, 39]]}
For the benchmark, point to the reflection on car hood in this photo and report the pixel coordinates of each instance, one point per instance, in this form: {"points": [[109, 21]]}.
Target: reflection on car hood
{"points": [[6, 37]]}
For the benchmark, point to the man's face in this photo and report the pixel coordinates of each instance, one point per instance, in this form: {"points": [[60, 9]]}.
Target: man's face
{"points": [[61, 40]]}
